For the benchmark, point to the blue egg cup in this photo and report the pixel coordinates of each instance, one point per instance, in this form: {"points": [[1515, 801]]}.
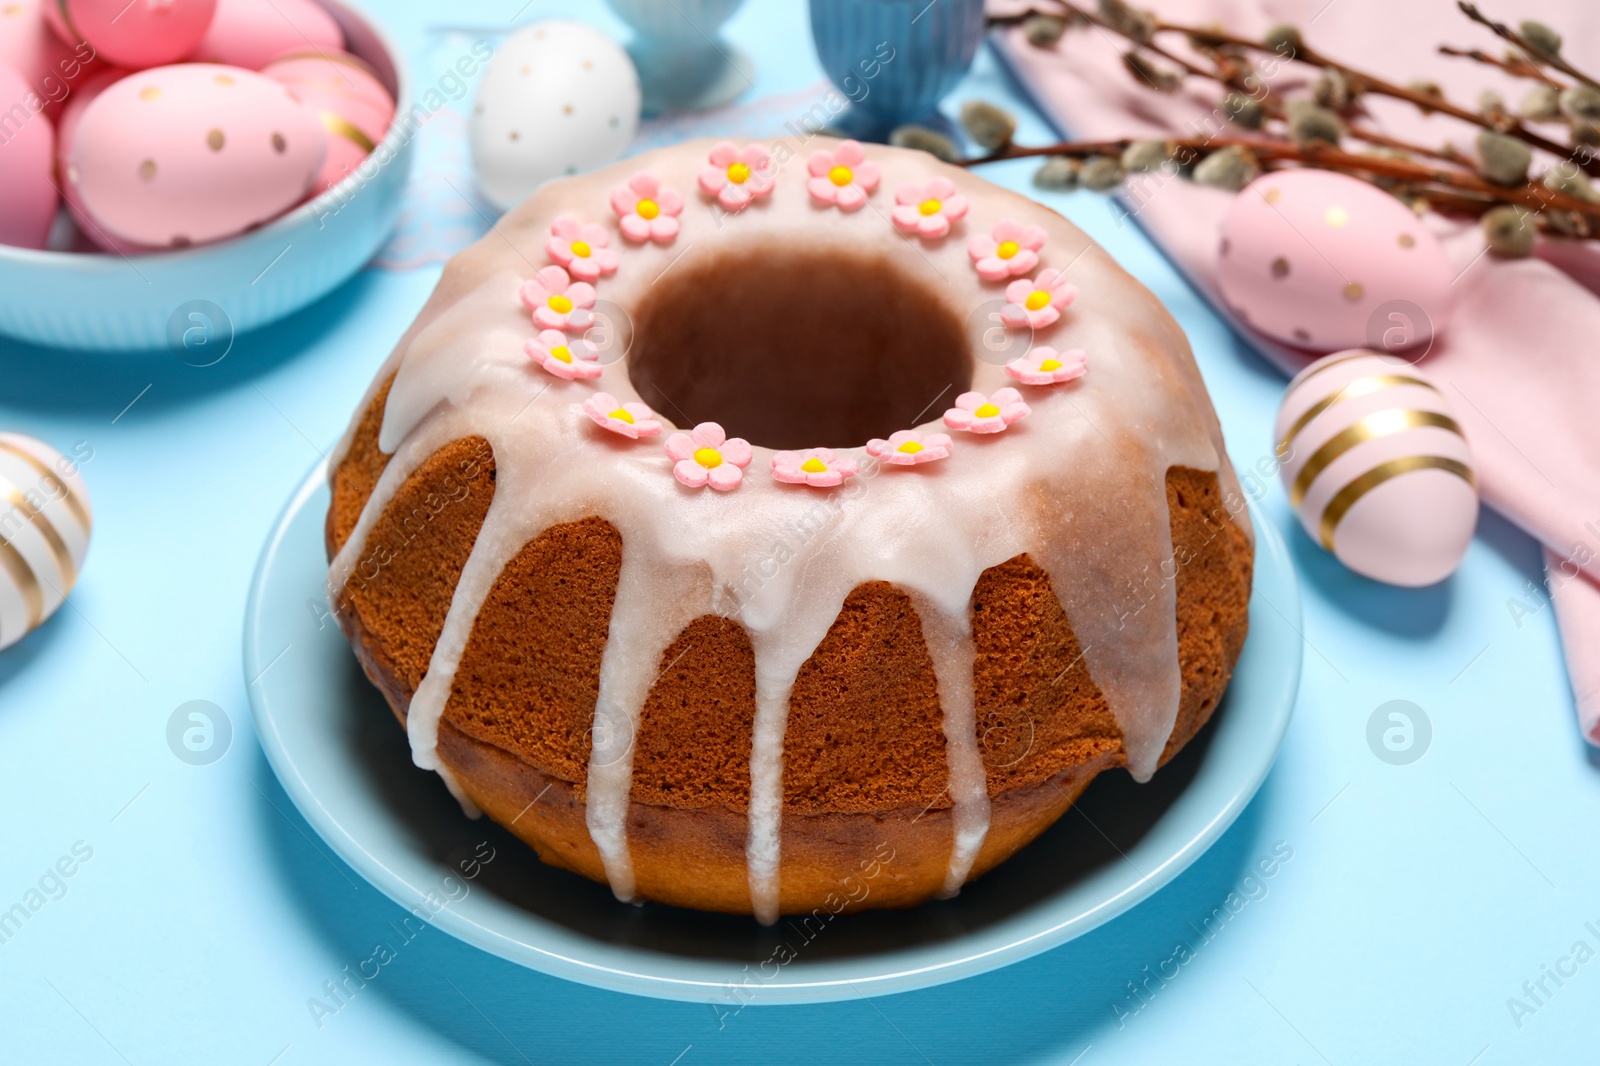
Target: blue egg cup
{"points": [[683, 64], [894, 60]]}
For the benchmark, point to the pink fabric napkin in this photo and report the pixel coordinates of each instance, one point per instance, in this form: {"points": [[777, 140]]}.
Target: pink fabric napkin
{"points": [[1520, 359]]}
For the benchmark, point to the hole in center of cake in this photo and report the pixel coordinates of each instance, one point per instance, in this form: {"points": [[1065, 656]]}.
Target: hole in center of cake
{"points": [[792, 348]]}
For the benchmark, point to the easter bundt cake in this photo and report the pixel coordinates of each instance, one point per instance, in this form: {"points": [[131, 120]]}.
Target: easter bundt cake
{"points": [[773, 528]]}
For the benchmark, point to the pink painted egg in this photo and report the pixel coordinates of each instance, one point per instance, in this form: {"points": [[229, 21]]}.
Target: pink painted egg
{"points": [[90, 87], [1377, 467], [348, 98], [133, 33], [27, 44], [251, 33], [28, 195], [192, 153], [50, 68], [1324, 261], [85, 94]]}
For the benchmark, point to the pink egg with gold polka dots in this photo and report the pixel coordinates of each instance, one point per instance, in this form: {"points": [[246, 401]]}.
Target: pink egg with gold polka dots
{"points": [[85, 94], [90, 87], [133, 33], [187, 154], [27, 192], [349, 100], [1324, 261]]}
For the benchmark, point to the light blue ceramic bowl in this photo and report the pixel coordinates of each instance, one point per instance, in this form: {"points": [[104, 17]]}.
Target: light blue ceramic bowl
{"points": [[107, 302], [340, 756]]}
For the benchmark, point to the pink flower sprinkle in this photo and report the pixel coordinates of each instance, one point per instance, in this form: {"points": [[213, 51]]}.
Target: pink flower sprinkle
{"points": [[565, 359], [631, 420], [1037, 303], [1046, 366], [907, 447], [646, 209], [1010, 250], [705, 456], [558, 302], [977, 413], [736, 176], [581, 248], [927, 210], [817, 467], [842, 177]]}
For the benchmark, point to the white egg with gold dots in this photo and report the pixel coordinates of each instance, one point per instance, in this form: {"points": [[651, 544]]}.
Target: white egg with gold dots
{"points": [[45, 522], [1377, 467], [558, 98]]}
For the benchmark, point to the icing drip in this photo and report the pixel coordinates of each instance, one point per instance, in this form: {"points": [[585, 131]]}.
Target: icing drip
{"points": [[949, 641], [653, 605], [1122, 603], [766, 792], [1079, 486], [353, 563], [782, 647], [468, 808]]}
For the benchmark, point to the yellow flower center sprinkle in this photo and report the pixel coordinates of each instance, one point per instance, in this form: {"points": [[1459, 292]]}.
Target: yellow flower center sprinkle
{"points": [[580, 249], [561, 352], [709, 458], [841, 176], [929, 207], [648, 209], [988, 410], [910, 447], [1036, 300], [738, 173], [559, 304], [1050, 364], [1007, 249], [814, 465], [621, 415]]}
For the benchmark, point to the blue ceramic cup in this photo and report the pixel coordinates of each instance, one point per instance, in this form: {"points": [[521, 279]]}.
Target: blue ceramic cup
{"points": [[683, 62], [894, 59]]}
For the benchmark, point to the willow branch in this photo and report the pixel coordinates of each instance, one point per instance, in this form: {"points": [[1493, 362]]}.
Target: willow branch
{"points": [[1519, 42], [1517, 68], [1532, 195], [1446, 154], [1236, 82], [1361, 81]]}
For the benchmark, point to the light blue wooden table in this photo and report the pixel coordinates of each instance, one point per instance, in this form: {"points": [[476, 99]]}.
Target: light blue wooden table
{"points": [[1418, 900]]}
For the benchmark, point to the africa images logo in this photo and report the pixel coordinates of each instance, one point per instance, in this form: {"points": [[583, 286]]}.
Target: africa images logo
{"points": [[1537, 992], [1252, 888]]}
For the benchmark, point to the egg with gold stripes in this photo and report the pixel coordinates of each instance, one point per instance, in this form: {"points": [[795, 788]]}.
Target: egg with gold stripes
{"points": [[1377, 467], [350, 102], [45, 520]]}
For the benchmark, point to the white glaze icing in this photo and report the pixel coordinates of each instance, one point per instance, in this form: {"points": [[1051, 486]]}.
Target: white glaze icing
{"points": [[1079, 486], [949, 640]]}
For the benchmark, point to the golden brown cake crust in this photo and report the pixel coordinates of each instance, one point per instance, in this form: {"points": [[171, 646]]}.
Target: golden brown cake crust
{"points": [[865, 771]]}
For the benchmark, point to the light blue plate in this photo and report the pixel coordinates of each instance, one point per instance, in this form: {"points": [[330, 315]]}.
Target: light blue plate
{"points": [[345, 762]]}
